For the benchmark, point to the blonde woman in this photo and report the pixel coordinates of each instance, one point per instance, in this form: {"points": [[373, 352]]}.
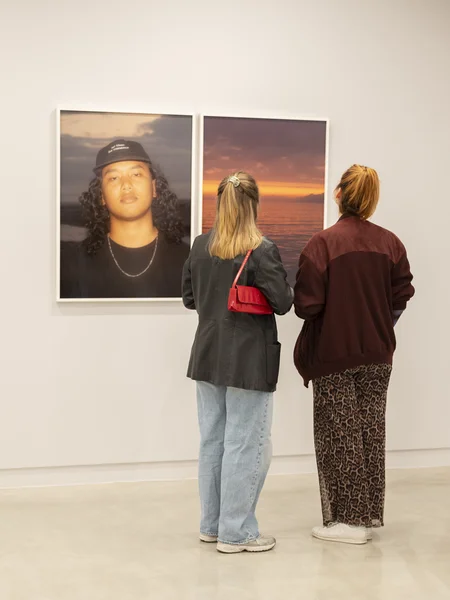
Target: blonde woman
{"points": [[353, 283], [235, 361]]}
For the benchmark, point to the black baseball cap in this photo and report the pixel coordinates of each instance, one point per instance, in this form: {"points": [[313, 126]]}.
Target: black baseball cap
{"points": [[118, 151]]}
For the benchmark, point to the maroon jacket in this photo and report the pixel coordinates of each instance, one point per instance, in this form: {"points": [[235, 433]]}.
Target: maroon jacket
{"points": [[351, 279]]}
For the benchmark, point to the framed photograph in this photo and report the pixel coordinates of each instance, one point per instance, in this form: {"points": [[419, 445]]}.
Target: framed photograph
{"points": [[124, 196], [288, 159]]}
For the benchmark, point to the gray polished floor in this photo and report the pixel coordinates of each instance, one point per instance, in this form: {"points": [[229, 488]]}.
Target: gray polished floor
{"points": [[139, 541]]}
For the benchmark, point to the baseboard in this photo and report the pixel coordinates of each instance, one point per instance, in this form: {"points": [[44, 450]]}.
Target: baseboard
{"points": [[181, 470]]}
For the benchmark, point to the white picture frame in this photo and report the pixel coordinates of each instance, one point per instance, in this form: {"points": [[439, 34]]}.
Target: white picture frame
{"points": [[193, 207]]}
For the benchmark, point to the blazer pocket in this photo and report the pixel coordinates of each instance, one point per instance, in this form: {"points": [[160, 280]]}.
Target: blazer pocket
{"points": [[273, 353]]}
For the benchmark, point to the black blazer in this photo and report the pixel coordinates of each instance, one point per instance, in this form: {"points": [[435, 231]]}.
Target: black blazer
{"points": [[235, 349]]}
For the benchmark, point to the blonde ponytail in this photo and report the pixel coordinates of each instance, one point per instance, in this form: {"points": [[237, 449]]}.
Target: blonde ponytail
{"points": [[235, 230], [360, 191]]}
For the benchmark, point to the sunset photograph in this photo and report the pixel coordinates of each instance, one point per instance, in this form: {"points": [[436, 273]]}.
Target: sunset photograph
{"points": [[287, 157]]}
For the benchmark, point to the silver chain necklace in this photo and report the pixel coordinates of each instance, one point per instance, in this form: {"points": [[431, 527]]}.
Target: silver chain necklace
{"points": [[130, 274]]}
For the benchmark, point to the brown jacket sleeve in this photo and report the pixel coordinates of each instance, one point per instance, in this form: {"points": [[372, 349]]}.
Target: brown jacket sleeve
{"points": [[310, 289], [402, 288]]}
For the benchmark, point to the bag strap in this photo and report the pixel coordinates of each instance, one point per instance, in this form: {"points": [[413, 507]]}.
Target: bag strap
{"points": [[244, 262]]}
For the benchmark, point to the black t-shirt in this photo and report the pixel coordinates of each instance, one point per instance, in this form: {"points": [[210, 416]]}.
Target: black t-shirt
{"points": [[98, 276]]}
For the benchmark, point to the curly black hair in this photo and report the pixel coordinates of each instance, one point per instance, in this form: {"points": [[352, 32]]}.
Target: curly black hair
{"points": [[165, 211]]}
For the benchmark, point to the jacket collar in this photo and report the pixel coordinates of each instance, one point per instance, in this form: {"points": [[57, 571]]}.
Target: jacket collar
{"points": [[347, 216]]}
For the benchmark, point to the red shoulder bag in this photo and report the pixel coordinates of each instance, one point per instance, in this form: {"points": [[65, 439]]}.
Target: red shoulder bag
{"points": [[247, 299]]}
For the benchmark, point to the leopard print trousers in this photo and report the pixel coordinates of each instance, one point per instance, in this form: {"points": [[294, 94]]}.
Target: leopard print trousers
{"points": [[350, 436]]}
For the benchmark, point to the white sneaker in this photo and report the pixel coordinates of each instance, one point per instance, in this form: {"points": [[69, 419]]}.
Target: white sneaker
{"points": [[339, 532], [369, 533], [209, 539], [261, 544]]}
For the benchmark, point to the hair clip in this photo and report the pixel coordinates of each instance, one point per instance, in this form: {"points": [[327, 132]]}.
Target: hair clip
{"points": [[234, 180]]}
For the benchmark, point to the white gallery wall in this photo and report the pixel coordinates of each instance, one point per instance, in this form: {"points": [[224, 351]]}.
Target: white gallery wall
{"points": [[102, 388]]}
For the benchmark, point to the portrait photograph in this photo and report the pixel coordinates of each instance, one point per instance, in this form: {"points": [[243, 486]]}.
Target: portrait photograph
{"points": [[288, 159], [124, 198]]}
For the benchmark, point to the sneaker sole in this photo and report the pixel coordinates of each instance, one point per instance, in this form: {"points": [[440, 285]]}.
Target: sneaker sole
{"points": [[208, 541], [236, 549], [342, 540]]}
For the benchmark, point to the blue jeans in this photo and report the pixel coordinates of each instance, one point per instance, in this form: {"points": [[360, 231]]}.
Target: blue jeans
{"points": [[235, 454]]}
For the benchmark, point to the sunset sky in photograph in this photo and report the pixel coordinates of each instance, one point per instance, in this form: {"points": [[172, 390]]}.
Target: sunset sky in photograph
{"points": [[286, 157]]}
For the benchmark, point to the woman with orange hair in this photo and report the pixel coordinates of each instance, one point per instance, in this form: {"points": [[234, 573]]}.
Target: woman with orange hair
{"points": [[353, 283]]}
